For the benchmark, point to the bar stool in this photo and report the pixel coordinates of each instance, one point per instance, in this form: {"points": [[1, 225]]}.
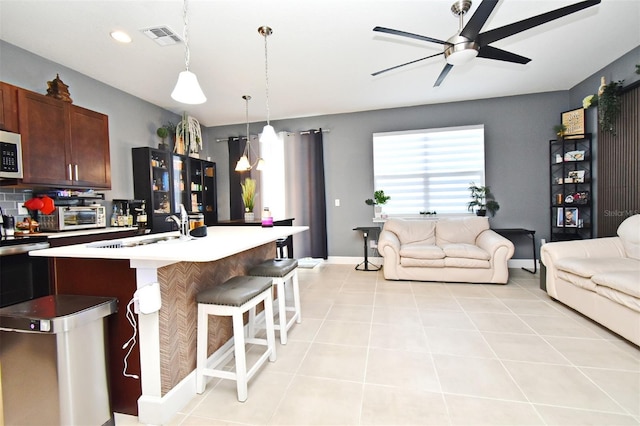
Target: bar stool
{"points": [[281, 271], [233, 298]]}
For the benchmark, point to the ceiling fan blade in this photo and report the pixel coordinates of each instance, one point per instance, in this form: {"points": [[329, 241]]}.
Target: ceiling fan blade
{"points": [[443, 74], [406, 34], [490, 52], [480, 16], [517, 27], [408, 63]]}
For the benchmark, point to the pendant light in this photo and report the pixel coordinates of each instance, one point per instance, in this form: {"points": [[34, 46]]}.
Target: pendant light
{"points": [[243, 164], [268, 132], [187, 90]]}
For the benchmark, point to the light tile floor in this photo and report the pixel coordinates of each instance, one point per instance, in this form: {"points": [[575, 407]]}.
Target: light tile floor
{"points": [[376, 352]]}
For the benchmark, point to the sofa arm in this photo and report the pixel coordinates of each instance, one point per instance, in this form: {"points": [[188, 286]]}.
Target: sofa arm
{"points": [[490, 241], [550, 253], [388, 239]]}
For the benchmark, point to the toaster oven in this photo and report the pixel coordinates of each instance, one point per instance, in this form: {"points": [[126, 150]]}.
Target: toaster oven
{"points": [[70, 218]]}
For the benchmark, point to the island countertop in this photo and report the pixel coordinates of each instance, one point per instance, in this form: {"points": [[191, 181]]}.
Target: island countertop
{"points": [[220, 242]]}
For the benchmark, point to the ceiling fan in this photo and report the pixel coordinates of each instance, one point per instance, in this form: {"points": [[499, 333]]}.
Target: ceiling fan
{"points": [[469, 42]]}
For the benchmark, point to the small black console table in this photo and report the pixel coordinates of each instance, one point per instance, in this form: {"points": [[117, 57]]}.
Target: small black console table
{"points": [[366, 265], [506, 232]]}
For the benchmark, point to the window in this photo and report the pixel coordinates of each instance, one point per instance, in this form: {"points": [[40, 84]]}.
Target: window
{"points": [[428, 169]]}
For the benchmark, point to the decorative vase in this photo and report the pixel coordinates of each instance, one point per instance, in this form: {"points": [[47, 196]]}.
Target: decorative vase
{"points": [[249, 217], [481, 212], [377, 210]]}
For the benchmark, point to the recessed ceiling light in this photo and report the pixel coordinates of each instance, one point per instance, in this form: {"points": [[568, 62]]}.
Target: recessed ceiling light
{"points": [[121, 36]]}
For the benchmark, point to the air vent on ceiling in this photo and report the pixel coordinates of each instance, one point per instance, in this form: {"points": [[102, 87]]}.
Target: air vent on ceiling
{"points": [[164, 35]]}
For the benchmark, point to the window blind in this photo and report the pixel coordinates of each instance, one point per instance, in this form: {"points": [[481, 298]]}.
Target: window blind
{"points": [[428, 169]]}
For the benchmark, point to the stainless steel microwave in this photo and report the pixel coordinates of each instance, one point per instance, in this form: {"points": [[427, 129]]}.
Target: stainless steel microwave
{"points": [[10, 155], [73, 217]]}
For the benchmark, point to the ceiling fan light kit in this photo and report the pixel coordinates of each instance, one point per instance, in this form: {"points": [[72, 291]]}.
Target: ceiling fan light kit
{"points": [[469, 42]]}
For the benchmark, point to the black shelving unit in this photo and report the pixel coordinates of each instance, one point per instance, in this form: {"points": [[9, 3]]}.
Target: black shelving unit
{"points": [[571, 182], [165, 180]]}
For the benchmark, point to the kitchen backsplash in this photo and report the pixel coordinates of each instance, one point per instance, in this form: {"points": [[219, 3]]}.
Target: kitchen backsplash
{"points": [[9, 199]]}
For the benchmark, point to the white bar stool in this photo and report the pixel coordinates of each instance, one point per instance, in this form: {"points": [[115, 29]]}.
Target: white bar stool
{"points": [[282, 271], [233, 298]]}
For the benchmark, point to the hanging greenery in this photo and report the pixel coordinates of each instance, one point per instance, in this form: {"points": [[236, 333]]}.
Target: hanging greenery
{"points": [[609, 106]]}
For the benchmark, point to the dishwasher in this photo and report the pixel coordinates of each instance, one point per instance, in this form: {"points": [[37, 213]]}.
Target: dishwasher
{"points": [[52, 361]]}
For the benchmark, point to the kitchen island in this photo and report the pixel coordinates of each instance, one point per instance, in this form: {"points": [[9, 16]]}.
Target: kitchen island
{"points": [[166, 358]]}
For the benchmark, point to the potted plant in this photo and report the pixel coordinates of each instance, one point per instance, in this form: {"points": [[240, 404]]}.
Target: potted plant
{"points": [[248, 198], [609, 106], [483, 199], [560, 130], [188, 137], [162, 133], [378, 200]]}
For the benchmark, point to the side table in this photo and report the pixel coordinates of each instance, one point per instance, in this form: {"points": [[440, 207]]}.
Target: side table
{"points": [[505, 232], [366, 265]]}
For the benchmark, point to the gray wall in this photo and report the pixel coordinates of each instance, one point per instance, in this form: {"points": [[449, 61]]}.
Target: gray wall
{"points": [[132, 121], [517, 133]]}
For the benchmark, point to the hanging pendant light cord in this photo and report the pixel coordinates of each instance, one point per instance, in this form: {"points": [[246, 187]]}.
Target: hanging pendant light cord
{"points": [[246, 148], [266, 69], [185, 34]]}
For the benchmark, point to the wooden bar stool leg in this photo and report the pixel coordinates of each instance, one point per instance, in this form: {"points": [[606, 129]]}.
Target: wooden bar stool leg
{"points": [[201, 347], [239, 351], [296, 297], [271, 335]]}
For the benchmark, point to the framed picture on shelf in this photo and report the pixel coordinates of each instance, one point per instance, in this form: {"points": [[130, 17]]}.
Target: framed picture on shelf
{"points": [[574, 122], [576, 176], [567, 217]]}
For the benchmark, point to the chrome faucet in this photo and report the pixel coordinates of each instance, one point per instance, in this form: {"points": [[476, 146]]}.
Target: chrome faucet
{"points": [[182, 222]]}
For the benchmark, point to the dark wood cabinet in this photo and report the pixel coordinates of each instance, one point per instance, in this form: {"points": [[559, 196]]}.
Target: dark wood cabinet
{"points": [[166, 180], [571, 175], [63, 144], [8, 108]]}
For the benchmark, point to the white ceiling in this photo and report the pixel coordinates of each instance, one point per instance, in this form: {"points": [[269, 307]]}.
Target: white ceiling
{"points": [[321, 54]]}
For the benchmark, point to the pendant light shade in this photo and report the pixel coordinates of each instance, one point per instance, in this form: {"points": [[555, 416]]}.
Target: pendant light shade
{"points": [[187, 90], [268, 132], [243, 164]]}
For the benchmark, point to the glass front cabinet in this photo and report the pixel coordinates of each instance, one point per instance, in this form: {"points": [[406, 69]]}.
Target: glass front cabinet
{"points": [[165, 180], [571, 192]]}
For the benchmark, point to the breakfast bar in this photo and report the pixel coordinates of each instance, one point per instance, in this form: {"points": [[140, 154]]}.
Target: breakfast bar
{"points": [[158, 378]]}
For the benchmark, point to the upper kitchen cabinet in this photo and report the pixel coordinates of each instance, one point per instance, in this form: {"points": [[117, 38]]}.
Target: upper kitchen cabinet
{"points": [[8, 108], [62, 144]]}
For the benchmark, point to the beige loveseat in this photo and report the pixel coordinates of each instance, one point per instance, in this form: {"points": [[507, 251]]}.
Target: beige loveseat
{"points": [[599, 277], [454, 250]]}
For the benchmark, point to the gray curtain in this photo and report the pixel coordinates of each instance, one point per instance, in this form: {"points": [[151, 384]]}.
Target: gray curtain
{"points": [[236, 206], [306, 200]]}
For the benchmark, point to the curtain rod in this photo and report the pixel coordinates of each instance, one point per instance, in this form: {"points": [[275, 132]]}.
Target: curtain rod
{"points": [[306, 132]]}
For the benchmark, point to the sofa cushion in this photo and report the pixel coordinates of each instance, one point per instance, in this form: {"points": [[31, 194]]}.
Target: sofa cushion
{"points": [[460, 262], [627, 282], [421, 250], [460, 230], [629, 233], [421, 263], [467, 251], [623, 299], [577, 280], [411, 231], [587, 267]]}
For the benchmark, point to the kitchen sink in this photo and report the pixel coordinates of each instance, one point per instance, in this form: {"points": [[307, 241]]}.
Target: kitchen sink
{"points": [[136, 243]]}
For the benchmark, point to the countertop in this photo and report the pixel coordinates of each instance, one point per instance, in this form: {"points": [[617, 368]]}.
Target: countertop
{"points": [[220, 242], [81, 232]]}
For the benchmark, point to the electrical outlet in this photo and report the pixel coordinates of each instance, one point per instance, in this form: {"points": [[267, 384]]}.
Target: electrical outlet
{"points": [[22, 209], [337, 202]]}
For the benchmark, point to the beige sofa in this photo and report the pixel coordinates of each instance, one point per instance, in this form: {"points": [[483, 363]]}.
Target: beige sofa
{"points": [[599, 277], [454, 250]]}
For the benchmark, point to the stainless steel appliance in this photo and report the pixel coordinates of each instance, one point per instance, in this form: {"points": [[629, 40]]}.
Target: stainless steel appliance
{"points": [[53, 361], [10, 155], [69, 218], [22, 277]]}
